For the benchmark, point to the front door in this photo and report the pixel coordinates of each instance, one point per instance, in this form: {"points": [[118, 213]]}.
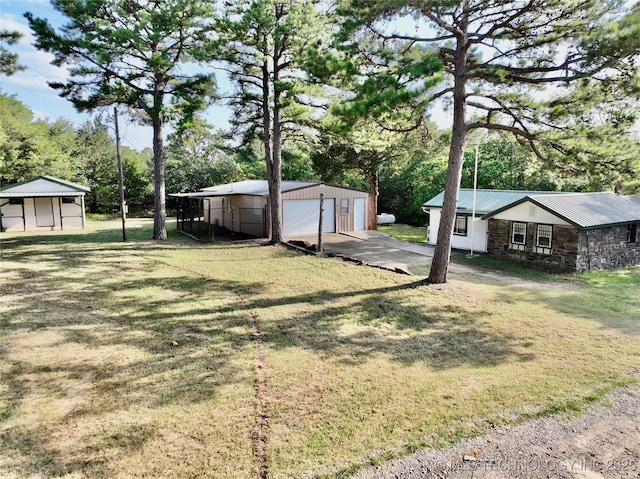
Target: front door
{"points": [[359, 208], [44, 211]]}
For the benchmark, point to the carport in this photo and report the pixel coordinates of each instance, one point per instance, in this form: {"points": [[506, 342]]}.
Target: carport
{"points": [[242, 207]]}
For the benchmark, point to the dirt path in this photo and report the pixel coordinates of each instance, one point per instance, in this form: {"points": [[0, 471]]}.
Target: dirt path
{"points": [[603, 443], [260, 433]]}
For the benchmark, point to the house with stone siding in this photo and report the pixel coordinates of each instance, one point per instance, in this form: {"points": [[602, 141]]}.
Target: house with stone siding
{"points": [[470, 230], [567, 231]]}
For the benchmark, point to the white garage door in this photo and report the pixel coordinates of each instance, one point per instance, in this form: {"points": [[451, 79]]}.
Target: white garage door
{"points": [[301, 217]]}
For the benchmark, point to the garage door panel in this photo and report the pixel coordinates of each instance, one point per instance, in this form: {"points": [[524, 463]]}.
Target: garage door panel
{"points": [[301, 217]]}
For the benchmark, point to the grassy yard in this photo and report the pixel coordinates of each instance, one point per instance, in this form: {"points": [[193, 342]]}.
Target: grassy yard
{"points": [[412, 234], [178, 359]]}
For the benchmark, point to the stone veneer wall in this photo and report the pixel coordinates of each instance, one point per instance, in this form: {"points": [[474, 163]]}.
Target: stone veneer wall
{"points": [[563, 255], [571, 249], [607, 248]]}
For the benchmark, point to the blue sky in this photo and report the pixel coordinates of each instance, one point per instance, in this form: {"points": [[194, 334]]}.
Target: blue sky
{"points": [[31, 88]]}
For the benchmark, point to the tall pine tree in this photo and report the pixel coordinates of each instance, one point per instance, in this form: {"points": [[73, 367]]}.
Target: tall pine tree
{"points": [[133, 53], [261, 44], [510, 66]]}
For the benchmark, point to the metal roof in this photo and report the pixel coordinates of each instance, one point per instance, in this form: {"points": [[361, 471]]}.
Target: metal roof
{"points": [[252, 187], [583, 210], [42, 194], [589, 210], [486, 200], [57, 187]]}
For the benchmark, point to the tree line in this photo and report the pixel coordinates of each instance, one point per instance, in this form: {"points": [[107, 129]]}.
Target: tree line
{"points": [[201, 156], [354, 82]]}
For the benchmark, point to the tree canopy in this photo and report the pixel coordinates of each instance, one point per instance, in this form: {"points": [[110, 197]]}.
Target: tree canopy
{"points": [[504, 66], [84, 155], [9, 61], [133, 53], [560, 76], [261, 43], [198, 157]]}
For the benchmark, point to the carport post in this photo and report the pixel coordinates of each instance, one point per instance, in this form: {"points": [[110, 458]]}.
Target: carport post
{"points": [[60, 210], [475, 189], [319, 248]]}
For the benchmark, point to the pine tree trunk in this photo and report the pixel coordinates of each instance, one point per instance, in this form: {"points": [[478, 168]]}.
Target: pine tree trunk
{"points": [[160, 205], [373, 199], [442, 252], [275, 179], [274, 173], [266, 134]]}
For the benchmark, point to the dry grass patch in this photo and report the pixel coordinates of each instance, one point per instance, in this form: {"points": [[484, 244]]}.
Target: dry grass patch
{"points": [[114, 366], [139, 360]]}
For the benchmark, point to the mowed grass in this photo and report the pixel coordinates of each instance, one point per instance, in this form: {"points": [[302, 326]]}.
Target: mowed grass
{"points": [[144, 359], [412, 234]]}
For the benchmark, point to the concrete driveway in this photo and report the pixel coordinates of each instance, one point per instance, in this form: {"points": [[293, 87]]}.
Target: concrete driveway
{"points": [[379, 249], [372, 248]]}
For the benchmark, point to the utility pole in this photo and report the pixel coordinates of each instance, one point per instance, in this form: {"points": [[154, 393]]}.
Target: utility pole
{"points": [[123, 204], [475, 189]]}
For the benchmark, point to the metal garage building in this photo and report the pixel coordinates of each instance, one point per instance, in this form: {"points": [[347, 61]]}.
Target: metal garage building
{"points": [[242, 207]]}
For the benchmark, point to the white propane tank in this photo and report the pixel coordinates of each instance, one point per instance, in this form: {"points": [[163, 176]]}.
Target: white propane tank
{"points": [[385, 219]]}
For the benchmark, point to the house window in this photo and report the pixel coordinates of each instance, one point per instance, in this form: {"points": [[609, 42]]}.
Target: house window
{"points": [[543, 237], [16, 201], [632, 233], [344, 206], [519, 233], [68, 199], [460, 228]]}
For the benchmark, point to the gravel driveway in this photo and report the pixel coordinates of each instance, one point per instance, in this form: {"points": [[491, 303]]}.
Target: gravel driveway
{"points": [[603, 443]]}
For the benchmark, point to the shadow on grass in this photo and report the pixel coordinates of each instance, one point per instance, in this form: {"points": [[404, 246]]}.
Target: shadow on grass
{"points": [[93, 299], [189, 336], [614, 305], [609, 298], [444, 338]]}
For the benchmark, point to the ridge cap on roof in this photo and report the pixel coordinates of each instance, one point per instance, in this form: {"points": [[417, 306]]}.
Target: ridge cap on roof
{"points": [[65, 182], [52, 179], [510, 191], [580, 193]]}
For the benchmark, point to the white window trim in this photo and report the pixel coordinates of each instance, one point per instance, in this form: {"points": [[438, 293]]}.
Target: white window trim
{"points": [[538, 236], [344, 208], [513, 231], [466, 225]]}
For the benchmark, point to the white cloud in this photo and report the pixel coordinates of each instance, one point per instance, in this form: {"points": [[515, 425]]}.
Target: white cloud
{"points": [[18, 24], [29, 84], [39, 63]]}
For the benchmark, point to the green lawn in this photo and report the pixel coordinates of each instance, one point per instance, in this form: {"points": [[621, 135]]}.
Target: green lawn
{"points": [[178, 359], [412, 234]]}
